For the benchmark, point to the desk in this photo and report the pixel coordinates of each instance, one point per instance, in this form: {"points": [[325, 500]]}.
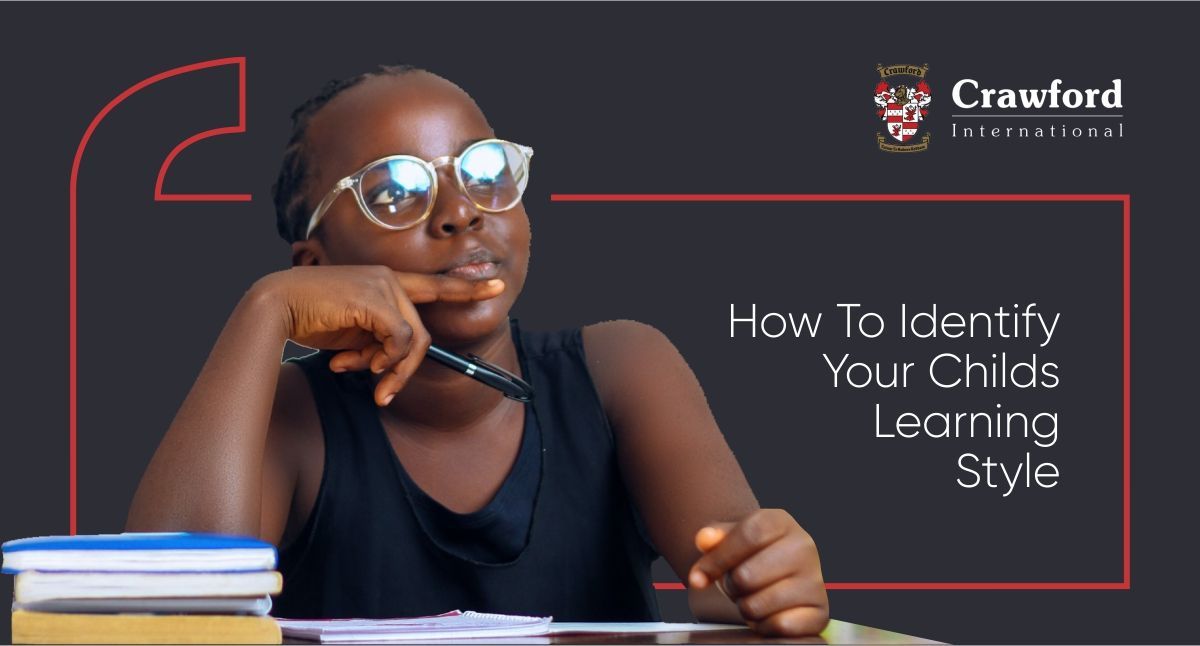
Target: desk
{"points": [[838, 632]]}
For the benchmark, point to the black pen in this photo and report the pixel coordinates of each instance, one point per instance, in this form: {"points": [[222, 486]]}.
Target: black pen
{"points": [[476, 368]]}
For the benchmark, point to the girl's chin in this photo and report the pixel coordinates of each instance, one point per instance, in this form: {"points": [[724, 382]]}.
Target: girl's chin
{"points": [[454, 324]]}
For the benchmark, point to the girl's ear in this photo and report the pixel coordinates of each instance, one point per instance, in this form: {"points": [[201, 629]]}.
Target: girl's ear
{"points": [[307, 253]]}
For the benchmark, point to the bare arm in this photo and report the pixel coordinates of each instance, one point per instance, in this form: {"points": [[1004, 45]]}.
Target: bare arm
{"points": [[228, 462], [207, 473], [694, 498]]}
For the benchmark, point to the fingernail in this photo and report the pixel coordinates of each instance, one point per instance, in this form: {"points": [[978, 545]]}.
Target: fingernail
{"points": [[697, 579], [387, 400], [495, 282], [376, 370], [339, 369]]}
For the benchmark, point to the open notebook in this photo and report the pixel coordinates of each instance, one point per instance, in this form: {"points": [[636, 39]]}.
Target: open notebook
{"points": [[449, 625]]}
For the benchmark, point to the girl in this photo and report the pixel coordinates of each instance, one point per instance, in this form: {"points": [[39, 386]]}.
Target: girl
{"points": [[398, 487]]}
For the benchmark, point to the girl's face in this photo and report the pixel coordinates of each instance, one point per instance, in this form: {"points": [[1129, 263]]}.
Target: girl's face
{"points": [[424, 115]]}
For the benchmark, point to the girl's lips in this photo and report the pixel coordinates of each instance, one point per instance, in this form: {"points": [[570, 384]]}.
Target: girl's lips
{"points": [[475, 271]]}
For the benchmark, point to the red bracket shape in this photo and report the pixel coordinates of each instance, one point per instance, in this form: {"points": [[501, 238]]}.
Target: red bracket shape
{"points": [[159, 196]]}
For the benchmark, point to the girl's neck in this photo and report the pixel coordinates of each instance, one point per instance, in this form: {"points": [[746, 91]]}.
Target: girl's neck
{"points": [[439, 399]]}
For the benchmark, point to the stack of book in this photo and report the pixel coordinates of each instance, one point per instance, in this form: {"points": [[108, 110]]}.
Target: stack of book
{"points": [[175, 588]]}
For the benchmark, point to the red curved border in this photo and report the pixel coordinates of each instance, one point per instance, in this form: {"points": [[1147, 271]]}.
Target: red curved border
{"points": [[1121, 198], [159, 196], [240, 61]]}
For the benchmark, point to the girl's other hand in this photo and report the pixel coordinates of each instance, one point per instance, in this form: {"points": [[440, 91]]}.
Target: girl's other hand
{"points": [[366, 312], [768, 566]]}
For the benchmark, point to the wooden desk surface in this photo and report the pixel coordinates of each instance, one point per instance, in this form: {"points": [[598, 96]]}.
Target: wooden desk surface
{"points": [[838, 632]]}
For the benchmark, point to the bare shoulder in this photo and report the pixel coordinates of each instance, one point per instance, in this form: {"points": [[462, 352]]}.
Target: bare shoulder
{"points": [[621, 337], [294, 456], [626, 357], [619, 328], [672, 455]]}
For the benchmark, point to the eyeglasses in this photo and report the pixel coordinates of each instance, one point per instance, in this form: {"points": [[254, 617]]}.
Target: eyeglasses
{"points": [[398, 192]]}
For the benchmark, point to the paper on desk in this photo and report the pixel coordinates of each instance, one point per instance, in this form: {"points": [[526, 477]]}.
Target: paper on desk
{"points": [[562, 627], [595, 628], [454, 624]]}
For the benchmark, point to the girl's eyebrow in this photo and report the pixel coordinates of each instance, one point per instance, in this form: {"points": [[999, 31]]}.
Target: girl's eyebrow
{"points": [[467, 142], [462, 145]]}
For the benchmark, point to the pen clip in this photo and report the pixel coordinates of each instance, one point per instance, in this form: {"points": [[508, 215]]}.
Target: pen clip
{"points": [[523, 391]]}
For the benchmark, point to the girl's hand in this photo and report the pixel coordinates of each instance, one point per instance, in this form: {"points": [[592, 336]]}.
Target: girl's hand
{"points": [[768, 566], [368, 313]]}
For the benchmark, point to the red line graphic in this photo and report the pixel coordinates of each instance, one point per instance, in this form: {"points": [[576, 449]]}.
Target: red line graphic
{"points": [[1122, 198], [240, 61], [159, 196]]}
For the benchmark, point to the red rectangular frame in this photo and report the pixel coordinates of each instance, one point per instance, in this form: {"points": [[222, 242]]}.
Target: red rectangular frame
{"points": [[1123, 199]]}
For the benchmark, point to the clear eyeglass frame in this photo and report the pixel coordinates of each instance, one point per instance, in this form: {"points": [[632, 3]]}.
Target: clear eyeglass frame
{"points": [[354, 180]]}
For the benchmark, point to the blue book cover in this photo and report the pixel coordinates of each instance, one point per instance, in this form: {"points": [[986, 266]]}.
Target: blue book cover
{"points": [[136, 541], [138, 551]]}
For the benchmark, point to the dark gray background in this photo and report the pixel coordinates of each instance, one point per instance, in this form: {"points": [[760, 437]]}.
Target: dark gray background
{"points": [[638, 98]]}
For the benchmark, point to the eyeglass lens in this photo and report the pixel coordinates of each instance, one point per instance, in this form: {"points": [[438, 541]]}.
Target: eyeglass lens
{"points": [[398, 191]]}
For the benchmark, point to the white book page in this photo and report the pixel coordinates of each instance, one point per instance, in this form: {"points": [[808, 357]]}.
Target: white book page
{"points": [[561, 627]]}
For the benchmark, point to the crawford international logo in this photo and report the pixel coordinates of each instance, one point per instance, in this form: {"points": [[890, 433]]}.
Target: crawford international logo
{"points": [[902, 100]]}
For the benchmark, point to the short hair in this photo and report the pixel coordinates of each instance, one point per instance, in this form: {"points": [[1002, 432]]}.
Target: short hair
{"points": [[291, 210]]}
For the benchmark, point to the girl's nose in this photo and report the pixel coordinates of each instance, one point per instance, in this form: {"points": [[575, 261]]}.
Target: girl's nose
{"points": [[453, 212]]}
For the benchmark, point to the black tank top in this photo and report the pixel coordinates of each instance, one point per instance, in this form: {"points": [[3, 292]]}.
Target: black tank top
{"points": [[561, 536]]}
